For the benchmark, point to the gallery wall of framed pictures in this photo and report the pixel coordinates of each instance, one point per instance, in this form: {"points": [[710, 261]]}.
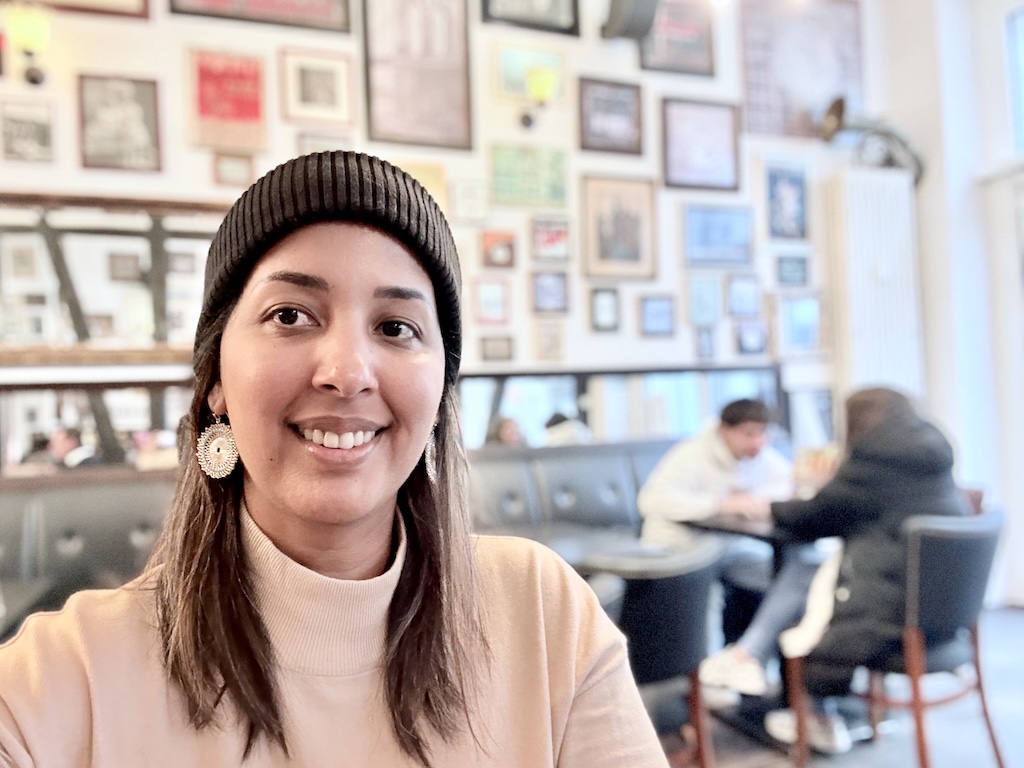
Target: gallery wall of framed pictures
{"points": [[644, 213]]}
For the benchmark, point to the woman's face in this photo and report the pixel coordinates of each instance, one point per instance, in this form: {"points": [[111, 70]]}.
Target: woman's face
{"points": [[332, 370]]}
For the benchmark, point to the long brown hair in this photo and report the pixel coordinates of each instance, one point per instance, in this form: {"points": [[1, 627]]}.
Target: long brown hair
{"points": [[215, 645], [868, 409]]}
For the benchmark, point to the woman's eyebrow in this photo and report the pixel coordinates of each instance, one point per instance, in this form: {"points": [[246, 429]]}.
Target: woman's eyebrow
{"points": [[398, 292], [301, 279]]}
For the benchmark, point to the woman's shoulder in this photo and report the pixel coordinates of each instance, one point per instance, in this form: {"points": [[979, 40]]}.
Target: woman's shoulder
{"points": [[93, 625], [517, 568]]}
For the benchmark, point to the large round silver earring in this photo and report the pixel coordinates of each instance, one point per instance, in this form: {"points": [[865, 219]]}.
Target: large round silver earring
{"points": [[430, 459], [217, 451]]}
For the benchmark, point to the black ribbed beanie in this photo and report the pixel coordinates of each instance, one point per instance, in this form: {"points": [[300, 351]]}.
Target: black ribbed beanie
{"points": [[336, 186]]}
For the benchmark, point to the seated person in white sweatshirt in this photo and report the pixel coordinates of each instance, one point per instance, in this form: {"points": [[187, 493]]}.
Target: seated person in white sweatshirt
{"points": [[727, 469]]}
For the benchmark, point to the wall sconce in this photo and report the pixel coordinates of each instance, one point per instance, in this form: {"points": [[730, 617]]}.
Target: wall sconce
{"points": [[28, 28], [541, 86]]}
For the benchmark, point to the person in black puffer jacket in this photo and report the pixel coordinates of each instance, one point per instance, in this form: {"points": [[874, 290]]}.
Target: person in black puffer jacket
{"points": [[897, 465]]}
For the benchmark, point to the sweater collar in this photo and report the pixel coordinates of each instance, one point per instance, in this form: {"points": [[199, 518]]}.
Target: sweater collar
{"points": [[319, 625]]}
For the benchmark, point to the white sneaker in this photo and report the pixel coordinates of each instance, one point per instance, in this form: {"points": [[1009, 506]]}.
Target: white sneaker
{"points": [[729, 669], [827, 734]]}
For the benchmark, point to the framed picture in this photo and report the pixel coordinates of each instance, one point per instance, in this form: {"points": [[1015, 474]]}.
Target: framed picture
{"points": [[125, 267], [701, 144], [498, 248], [680, 39], [792, 271], [550, 292], [529, 176], [797, 59], [492, 301], [610, 117], [307, 142], [705, 294], [316, 86], [232, 170], [495, 348], [469, 200], [409, 73], [181, 262], [513, 65], [704, 342], [657, 315], [549, 340], [787, 203], [799, 325], [119, 123], [751, 338], [744, 296], [23, 262], [27, 128], [320, 14], [227, 101], [718, 236], [604, 310], [618, 222], [550, 238], [114, 7], [551, 16]]}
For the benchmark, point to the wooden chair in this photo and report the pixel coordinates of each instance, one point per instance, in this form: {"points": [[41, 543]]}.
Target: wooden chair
{"points": [[948, 565]]}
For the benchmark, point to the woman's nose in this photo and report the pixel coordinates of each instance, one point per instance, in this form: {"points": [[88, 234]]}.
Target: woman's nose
{"points": [[344, 365]]}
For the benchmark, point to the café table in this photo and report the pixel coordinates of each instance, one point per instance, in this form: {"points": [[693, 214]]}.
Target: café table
{"points": [[748, 715]]}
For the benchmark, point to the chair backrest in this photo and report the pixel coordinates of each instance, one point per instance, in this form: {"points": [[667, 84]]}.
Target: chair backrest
{"points": [[587, 484], [665, 619], [502, 489], [948, 565], [17, 553], [645, 455]]}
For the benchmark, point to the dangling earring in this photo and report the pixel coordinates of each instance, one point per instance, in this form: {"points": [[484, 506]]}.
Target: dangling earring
{"points": [[430, 459], [217, 451]]}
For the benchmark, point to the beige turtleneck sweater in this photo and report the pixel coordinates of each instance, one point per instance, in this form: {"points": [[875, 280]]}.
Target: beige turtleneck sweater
{"points": [[85, 686]]}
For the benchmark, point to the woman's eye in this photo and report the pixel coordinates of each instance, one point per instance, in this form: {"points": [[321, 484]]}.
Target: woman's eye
{"points": [[396, 329], [290, 316]]}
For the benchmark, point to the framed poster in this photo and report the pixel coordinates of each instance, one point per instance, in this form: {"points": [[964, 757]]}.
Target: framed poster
{"points": [[316, 86], [701, 144], [494, 348], [797, 59], [530, 176], [718, 236], [604, 310], [680, 39], [704, 341], [618, 224], [792, 271], [515, 62], [114, 7], [787, 203], [27, 131], [551, 16], [799, 325], [549, 340], [610, 117], [410, 73], [550, 292], [705, 294], [120, 127], [744, 296], [319, 14], [751, 338], [227, 101], [550, 238], [498, 248], [232, 170], [657, 315], [492, 301]]}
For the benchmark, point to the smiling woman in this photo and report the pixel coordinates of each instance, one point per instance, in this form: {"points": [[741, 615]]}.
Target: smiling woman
{"points": [[322, 590]]}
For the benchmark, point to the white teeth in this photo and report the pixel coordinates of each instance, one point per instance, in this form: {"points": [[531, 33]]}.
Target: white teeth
{"points": [[343, 441]]}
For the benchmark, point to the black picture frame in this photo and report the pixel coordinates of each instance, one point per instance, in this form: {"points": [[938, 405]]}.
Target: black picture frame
{"points": [[605, 311], [561, 16], [611, 117]]}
